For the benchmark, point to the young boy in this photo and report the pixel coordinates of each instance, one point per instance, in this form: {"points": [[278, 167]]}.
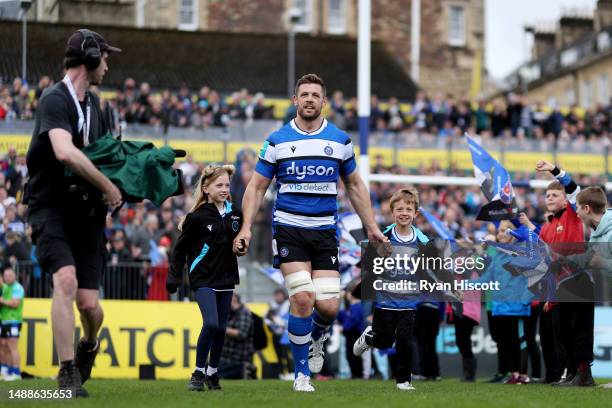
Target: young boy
{"points": [[594, 212], [393, 319], [576, 319]]}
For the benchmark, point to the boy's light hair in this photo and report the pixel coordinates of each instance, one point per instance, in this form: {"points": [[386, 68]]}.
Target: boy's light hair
{"points": [[555, 185], [595, 198], [410, 195]]}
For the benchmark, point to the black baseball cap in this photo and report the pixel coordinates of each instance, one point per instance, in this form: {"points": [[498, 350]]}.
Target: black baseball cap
{"points": [[75, 43]]}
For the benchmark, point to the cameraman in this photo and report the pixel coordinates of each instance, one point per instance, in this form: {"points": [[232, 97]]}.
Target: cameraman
{"points": [[67, 215]]}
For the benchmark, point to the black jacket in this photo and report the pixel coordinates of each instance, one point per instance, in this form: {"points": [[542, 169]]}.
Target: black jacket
{"points": [[206, 245]]}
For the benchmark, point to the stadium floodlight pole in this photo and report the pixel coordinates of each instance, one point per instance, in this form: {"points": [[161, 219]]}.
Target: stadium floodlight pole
{"points": [[295, 14], [291, 63], [415, 37], [363, 85], [25, 6]]}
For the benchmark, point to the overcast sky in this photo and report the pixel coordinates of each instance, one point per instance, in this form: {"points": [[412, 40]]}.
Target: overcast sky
{"points": [[506, 44]]}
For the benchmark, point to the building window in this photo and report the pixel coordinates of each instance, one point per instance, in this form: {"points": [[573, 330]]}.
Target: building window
{"points": [[188, 15], [569, 57], [456, 26], [587, 94], [603, 41], [603, 89], [304, 24], [336, 16]]}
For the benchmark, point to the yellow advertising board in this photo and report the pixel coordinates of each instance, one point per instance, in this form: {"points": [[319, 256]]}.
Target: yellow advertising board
{"points": [[133, 333], [217, 151]]}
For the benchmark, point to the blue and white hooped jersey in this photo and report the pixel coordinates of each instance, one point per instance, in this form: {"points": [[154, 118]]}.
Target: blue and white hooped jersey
{"points": [[307, 167]]}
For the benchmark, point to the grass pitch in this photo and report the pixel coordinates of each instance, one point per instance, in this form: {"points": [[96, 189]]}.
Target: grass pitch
{"points": [[335, 393]]}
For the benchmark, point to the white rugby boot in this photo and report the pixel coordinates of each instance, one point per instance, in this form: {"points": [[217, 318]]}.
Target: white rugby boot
{"points": [[360, 345], [302, 384], [316, 355], [405, 386]]}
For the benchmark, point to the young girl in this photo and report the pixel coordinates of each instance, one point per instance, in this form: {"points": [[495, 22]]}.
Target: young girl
{"points": [[206, 245]]}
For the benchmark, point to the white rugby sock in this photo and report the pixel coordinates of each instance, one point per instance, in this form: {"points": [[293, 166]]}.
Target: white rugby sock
{"points": [[211, 370]]}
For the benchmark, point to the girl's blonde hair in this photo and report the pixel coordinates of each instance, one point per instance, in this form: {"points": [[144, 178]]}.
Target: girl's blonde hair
{"points": [[209, 174]]}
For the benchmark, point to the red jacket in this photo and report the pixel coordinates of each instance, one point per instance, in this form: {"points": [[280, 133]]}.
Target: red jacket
{"points": [[564, 234], [564, 227]]}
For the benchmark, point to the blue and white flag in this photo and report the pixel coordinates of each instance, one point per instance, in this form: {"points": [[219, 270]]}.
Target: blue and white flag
{"points": [[437, 225], [495, 184], [529, 259]]}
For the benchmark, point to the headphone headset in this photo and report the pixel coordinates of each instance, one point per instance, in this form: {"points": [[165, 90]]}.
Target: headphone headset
{"points": [[90, 50]]}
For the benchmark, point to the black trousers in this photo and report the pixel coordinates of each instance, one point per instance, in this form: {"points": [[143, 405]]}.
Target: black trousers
{"points": [[550, 339], [427, 328], [283, 353], [397, 326], [463, 335], [509, 346], [355, 363], [577, 325], [494, 331], [533, 348]]}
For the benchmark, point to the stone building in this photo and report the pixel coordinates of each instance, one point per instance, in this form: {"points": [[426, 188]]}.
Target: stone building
{"points": [[571, 63], [451, 36]]}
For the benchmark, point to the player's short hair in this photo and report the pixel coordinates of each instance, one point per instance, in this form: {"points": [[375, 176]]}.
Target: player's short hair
{"points": [[594, 197], [555, 185], [310, 79], [410, 195]]}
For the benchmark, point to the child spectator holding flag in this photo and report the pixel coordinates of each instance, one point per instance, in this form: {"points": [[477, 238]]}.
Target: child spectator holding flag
{"points": [[565, 235]]}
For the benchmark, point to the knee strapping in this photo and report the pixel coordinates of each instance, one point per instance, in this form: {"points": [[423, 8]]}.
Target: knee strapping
{"points": [[300, 281], [326, 288]]}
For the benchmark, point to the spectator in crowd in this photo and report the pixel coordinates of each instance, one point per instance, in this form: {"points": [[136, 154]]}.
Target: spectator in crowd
{"points": [[352, 321], [145, 237], [276, 319], [394, 116], [237, 355]]}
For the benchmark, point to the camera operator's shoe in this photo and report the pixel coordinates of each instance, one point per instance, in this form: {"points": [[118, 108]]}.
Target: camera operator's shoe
{"points": [[69, 379], [197, 381], [85, 357]]}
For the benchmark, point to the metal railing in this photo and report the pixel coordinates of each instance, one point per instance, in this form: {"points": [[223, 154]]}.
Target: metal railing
{"points": [[141, 281], [127, 280]]}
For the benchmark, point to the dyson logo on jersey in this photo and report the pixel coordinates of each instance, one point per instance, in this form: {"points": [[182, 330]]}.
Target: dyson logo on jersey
{"points": [[302, 171]]}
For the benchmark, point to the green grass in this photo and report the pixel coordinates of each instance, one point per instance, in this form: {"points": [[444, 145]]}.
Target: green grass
{"points": [[337, 394]]}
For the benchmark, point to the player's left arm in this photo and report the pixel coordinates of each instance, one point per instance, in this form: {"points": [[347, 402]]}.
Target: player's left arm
{"points": [[360, 199]]}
